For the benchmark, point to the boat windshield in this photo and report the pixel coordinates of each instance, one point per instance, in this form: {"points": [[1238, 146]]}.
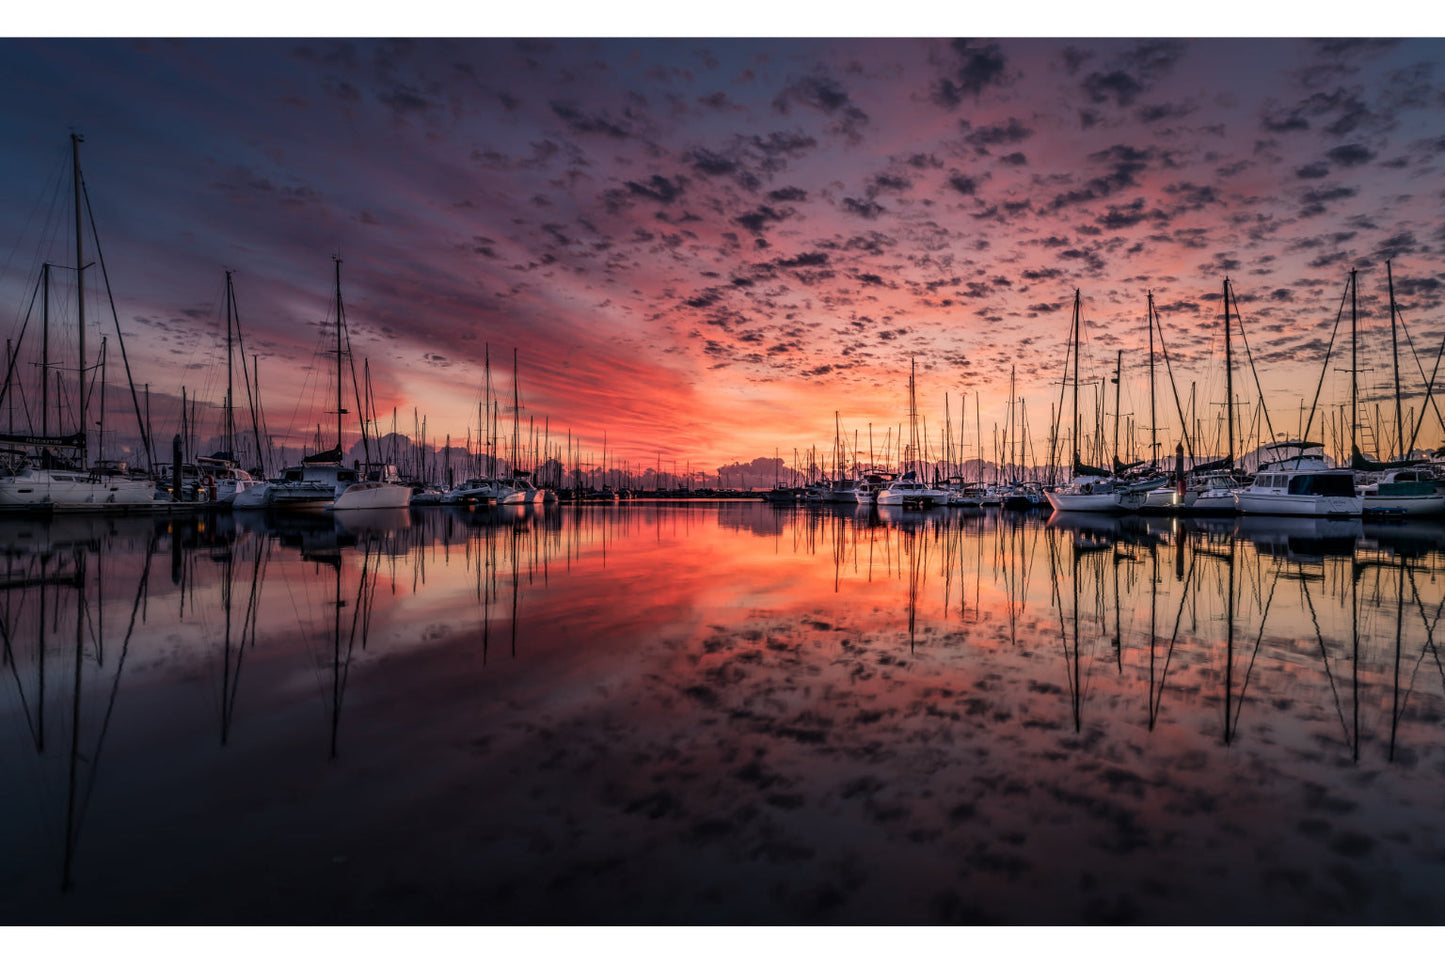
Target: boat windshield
{"points": [[1334, 485]]}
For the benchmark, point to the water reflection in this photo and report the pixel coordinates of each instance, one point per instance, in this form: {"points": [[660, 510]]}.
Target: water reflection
{"points": [[720, 712]]}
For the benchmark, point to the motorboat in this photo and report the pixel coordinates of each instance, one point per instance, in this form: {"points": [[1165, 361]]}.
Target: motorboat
{"points": [[1301, 484], [910, 491], [1404, 491]]}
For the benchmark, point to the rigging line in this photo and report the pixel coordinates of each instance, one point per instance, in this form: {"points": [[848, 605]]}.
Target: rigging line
{"points": [[115, 316], [251, 401], [19, 686], [1249, 356], [140, 593], [1319, 636], [19, 342], [1244, 687], [1429, 384], [1173, 387], [1410, 688], [1324, 369], [1429, 629], [1169, 653]]}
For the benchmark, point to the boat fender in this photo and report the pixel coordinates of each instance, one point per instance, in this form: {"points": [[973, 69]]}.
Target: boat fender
{"points": [[210, 482]]}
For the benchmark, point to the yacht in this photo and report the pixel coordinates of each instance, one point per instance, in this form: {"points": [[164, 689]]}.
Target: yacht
{"points": [[1300, 484], [222, 479], [1207, 493], [1092, 494], [472, 491], [311, 486], [908, 490], [867, 490], [378, 487], [1404, 491], [65, 489]]}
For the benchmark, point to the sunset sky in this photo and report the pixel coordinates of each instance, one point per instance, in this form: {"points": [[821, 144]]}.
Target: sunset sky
{"points": [[704, 248]]}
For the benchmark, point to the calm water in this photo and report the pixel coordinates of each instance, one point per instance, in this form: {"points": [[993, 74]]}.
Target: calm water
{"points": [[721, 712]]}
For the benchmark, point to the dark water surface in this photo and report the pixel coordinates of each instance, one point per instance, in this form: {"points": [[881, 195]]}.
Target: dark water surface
{"points": [[721, 712]]}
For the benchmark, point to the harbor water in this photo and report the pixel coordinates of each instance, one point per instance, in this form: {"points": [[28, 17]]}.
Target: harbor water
{"points": [[721, 712]]}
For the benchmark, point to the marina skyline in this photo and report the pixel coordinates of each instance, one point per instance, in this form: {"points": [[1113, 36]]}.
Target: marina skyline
{"points": [[703, 249]]}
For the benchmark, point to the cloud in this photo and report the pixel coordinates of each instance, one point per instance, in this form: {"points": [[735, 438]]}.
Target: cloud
{"points": [[1351, 155], [657, 188], [763, 215], [1133, 72], [1006, 133], [863, 208], [963, 184], [976, 67], [825, 95], [584, 123]]}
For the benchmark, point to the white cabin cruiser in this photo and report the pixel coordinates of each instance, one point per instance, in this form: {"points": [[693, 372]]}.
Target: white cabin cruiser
{"points": [[909, 490], [1300, 484]]}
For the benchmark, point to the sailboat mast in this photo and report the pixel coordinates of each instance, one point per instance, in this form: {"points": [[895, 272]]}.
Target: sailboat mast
{"points": [[230, 411], [1228, 378], [1010, 429], [1395, 355], [79, 293], [516, 413], [1076, 381], [1118, 408], [45, 351], [338, 353], [1354, 366], [1153, 420]]}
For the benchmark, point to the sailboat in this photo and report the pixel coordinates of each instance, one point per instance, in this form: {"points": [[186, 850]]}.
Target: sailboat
{"points": [[1207, 488], [1093, 489], [1404, 486], [909, 489], [322, 481], [1298, 480], [221, 474], [46, 481]]}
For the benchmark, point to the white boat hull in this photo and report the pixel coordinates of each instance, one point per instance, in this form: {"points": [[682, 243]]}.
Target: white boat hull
{"points": [[932, 497], [1276, 503], [66, 491], [1096, 501], [1397, 505], [366, 496], [300, 496]]}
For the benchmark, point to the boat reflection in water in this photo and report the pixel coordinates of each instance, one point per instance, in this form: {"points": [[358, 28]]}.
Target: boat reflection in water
{"points": [[724, 711]]}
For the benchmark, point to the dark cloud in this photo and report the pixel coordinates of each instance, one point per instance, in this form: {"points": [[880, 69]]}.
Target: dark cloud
{"points": [[1316, 200], [784, 194], [963, 184], [707, 162], [826, 95], [1313, 171], [760, 217], [1119, 217], [1351, 155], [1192, 197], [1397, 246], [585, 123], [863, 208], [976, 67], [404, 99], [782, 143], [658, 188], [1003, 134], [808, 259], [1124, 164], [888, 182], [1133, 72], [1154, 113]]}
